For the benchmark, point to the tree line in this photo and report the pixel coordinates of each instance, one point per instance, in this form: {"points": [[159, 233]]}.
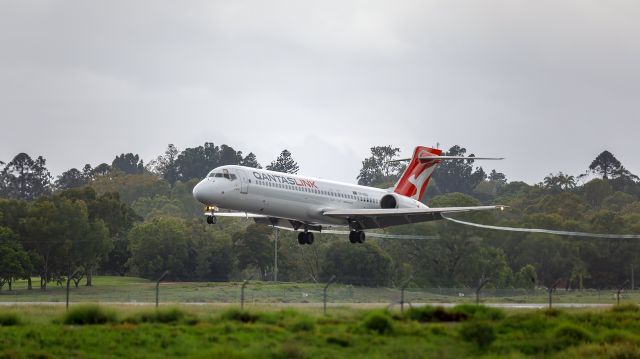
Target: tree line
{"points": [[132, 218]]}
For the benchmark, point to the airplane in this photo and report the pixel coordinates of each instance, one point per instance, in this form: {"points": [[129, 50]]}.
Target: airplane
{"points": [[310, 205]]}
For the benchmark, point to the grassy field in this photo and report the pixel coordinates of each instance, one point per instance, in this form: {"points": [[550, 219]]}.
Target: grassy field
{"points": [[207, 331], [137, 290]]}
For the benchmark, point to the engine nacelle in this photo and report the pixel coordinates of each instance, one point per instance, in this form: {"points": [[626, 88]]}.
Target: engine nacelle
{"points": [[394, 200]]}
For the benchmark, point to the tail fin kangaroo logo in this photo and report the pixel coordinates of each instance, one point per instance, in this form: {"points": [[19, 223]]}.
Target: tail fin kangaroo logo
{"points": [[415, 178]]}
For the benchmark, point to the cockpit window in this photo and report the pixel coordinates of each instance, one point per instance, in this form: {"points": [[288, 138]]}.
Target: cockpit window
{"points": [[224, 174]]}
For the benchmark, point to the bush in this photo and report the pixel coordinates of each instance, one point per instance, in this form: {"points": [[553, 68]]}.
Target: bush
{"points": [[9, 319], [617, 336], [570, 334], [480, 333], [625, 308], [428, 314], [303, 325], [239, 316], [479, 312], [378, 322], [165, 316], [612, 351], [88, 314]]}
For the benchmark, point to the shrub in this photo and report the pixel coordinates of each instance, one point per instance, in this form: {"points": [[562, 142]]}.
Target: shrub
{"points": [[342, 341], [625, 308], [552, 312], [435, 314], [303, 325], [171, 315], [480, 333], [239, 316], [569, 335], [88, 314], [612, 351], [9, 319], [617, 336], [378, 322], [479, 312]]}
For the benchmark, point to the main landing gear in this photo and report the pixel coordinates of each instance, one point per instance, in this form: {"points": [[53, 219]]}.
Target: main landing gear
{"points": [[305, 237], [356, 237], [211, 220]]}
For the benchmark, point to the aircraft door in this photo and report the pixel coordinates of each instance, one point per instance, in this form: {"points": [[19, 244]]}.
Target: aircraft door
{"points": [[244, 182]]}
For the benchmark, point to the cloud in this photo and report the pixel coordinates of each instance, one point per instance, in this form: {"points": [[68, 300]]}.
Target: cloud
{"points": [[547, 84]]}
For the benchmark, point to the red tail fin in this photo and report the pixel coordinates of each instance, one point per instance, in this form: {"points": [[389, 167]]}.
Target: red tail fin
{"points": [[415, 178]]}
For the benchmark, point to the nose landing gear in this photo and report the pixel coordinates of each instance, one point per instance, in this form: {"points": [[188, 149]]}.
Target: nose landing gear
{"points": [[211, 220]]}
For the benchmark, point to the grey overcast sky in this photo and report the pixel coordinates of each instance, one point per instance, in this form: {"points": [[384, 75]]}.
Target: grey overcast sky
{"points": [[547, 84]]}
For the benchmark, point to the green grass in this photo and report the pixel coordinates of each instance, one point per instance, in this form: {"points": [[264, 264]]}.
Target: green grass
{"points": [[132, 290], [209, 331]]}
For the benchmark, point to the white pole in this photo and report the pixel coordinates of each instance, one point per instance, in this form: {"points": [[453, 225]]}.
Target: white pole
{"points": [[275, 257]]}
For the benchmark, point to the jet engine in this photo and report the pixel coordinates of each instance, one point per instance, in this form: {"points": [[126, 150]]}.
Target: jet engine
{"points": [[394, 200]]}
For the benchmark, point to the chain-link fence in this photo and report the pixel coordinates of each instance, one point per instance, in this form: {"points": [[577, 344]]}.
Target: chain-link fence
{"points": [[257, 292]]}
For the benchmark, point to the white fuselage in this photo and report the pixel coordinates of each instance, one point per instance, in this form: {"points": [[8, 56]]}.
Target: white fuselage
{"points": [[283, 195]]}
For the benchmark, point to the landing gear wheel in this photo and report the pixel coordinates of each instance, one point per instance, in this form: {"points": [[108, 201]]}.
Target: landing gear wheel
{"points": [[301, 238], [356, 237], [361, 237], [211, 219], [309, 238]]}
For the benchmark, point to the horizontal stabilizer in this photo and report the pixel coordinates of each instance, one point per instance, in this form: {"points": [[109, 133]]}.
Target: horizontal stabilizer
{"points": [[433, 158]]}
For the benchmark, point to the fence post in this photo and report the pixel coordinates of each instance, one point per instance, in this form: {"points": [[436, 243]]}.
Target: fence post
{"points": [[619, 290], [68, 282], [158, 286], [275, 256], [404, 286], [244, 284], [481, 283], [324, 294], [550, 290]]}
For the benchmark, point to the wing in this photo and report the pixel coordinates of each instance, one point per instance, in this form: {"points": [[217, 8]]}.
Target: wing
{"points": [[284, 223], [236, 215], [380, 218]]}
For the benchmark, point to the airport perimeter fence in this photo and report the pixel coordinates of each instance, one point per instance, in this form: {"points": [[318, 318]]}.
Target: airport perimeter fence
{"points": [[258, 293]]}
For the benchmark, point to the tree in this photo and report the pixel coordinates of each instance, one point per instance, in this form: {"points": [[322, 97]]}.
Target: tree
{"points": [[72, 178], [596, 190], [284, 163], [101, 170], [128, 163], [14, 261], [496, 176], [165, 165], [364, 264], [608, 166], [229, 156], [25, 178], [159, 245], [56, 228], [458, 175], [253, 249], [131, 187], [216, 259], [118, 218], [559, 182], [197, 162], [250, 161], [377, 169]]}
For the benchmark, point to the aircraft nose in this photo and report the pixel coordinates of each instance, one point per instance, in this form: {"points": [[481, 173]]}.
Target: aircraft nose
{"points": [[200, 192]]}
